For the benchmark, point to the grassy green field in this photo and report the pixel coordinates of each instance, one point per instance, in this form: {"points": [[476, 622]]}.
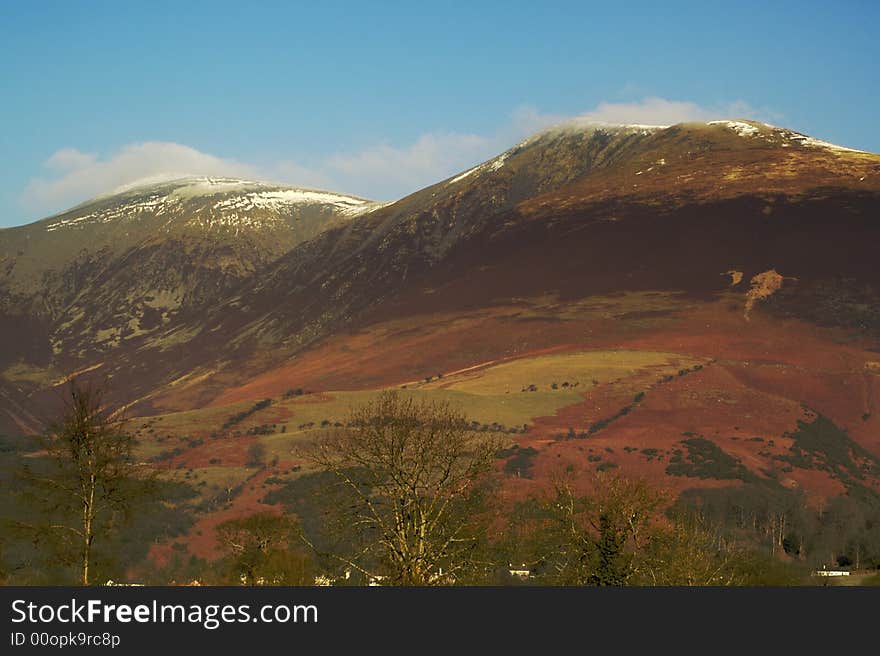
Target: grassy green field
{"points": [[511, 394], [502, 398], [567, 371]]}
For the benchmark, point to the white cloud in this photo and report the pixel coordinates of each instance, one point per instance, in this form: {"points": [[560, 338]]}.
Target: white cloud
{"points": [[648, 111], [69, 159], [304, 176], [78, 175], [651, 111], [385, 171], [526, 121], [382, 171]]}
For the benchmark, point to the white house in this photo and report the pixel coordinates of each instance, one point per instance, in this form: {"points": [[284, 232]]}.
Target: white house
{"points": [[521, 571]]}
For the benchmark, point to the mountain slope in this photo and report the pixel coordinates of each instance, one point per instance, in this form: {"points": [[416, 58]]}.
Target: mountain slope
{"points": [[699, 309], [110, 273], [574, 211], [364, 262]]}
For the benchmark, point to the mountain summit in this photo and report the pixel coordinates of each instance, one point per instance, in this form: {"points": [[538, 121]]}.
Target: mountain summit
{"points": [[206, 203], [227, 211]]}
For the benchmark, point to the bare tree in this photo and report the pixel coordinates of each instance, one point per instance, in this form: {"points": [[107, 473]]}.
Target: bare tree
{"points": [[619, 535], [691, 552], [597, 539], [92, 477], [411, 473]]}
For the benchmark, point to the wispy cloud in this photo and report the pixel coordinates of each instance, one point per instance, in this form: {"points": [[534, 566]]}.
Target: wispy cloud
{"points": [[70, 159], [73, 176], [382, 171], [648, 111], [654, 111], [385, 170]]}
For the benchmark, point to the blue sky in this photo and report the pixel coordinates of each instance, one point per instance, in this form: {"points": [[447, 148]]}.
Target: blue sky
{"points": [[379, 99]]}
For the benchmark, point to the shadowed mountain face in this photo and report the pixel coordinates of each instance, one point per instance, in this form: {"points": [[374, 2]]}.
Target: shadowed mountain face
{"points": [[218, 281]]}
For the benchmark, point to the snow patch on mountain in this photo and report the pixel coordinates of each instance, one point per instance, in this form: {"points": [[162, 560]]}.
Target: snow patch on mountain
{"points": [[279, 198], [740, 127], [778, 136], [367, 206], [157, 205], [490, 166], [804, 140], [586, 124], [211, 202]]}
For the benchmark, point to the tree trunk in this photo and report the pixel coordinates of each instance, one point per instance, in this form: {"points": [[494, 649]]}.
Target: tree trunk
{"points": [[88, 518]]}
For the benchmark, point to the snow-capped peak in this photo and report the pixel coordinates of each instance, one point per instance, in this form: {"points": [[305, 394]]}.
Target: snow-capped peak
{"points": [[179, 181], [208, 202], [587, 124]]}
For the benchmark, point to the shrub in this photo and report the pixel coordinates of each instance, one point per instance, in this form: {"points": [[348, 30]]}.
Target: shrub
{"points": [[705, 459], [520, 461], [241, 416]]}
